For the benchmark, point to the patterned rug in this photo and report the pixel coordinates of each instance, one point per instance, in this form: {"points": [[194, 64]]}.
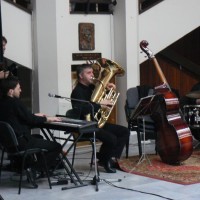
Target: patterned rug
{"points": [[186, 173]]}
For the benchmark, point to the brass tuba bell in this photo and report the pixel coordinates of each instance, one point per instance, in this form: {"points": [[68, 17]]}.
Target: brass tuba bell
{"points": [[107, 70]]}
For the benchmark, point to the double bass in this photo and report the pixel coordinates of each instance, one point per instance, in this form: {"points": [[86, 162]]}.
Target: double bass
{"points": [[174, 138]]}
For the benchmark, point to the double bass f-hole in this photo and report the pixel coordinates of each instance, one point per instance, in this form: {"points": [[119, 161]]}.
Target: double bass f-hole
{"points": [[174, 138]]}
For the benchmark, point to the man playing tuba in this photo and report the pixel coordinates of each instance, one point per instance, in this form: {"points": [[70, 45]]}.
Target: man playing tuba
{"points": [[112, 136]]}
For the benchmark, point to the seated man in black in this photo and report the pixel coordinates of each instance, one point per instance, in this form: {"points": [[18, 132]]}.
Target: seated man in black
{"points": [[193, 100], [113, 137], [14, 112], [3, 71]]}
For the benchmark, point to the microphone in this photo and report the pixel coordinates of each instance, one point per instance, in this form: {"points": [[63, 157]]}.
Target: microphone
{"points": [[73, 99], [68, 98], [55, 96]]}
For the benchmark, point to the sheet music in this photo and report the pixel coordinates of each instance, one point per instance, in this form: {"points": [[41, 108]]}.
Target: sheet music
{"points": [[143, 107]]}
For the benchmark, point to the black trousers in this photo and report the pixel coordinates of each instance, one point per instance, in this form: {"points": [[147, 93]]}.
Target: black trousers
{"points": [[113, 138], [196, 133], [54, 148]]}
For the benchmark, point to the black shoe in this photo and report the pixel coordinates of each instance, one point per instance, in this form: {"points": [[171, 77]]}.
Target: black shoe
{"points": [[31, 175], [43, 174], [98, 156], [114, 164], [57, 165], [39, 175], [107, 166]]}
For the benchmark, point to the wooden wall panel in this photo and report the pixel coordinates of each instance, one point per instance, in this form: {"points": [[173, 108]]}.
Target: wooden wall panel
{"points": [[187, 80], [178, 78]]}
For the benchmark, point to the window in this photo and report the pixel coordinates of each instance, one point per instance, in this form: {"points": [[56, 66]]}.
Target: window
{"points": [[92, 6]]}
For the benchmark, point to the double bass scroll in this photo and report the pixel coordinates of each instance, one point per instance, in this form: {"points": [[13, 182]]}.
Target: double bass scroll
{"points": [[174, 138]]}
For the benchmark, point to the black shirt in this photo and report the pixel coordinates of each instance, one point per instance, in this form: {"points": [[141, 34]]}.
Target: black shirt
{"points": [[13, 111], [83, 92]]}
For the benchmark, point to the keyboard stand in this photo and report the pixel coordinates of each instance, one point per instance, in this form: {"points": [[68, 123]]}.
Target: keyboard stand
{"points": [[88, 127], [75, 179]]}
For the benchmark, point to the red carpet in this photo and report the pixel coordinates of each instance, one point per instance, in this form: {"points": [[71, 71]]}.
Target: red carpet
{"points": [[186, 173]]}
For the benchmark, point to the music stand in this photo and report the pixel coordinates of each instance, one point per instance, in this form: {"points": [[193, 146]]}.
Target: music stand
{"points": [[142, 109]]}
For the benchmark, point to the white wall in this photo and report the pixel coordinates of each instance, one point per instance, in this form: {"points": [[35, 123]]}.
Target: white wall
{"points": [[167, 22], [117, 37], [17, 28], [57, 39], [67, 26], [126, 50], [45, 63]]}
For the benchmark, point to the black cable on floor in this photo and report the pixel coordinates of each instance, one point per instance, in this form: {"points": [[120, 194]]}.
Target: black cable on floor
{"points": [[109, 183]]}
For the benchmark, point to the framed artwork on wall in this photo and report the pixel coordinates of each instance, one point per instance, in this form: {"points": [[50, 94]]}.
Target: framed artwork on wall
{"points": [[86, 36]]}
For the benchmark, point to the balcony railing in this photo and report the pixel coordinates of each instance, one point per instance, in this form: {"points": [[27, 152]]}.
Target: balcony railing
{"points": [[147, 4], [21, 4], [92, 6]]}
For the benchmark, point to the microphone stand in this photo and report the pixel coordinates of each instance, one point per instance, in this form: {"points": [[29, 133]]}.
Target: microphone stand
{"points": [[96, 178]]}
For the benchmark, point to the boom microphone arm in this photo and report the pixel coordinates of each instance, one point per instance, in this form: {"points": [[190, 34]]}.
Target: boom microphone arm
{"points": [[73, 99]]}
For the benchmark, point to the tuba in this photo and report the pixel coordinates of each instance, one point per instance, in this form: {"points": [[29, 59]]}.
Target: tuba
{"points": [[104, 71]]}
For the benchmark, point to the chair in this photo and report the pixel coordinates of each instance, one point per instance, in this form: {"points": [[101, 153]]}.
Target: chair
{"points": [[133, 96], [10, 145]]}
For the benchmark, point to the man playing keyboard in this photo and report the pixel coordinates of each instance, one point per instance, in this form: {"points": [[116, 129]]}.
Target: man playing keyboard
{"points": [[14, 112]]}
